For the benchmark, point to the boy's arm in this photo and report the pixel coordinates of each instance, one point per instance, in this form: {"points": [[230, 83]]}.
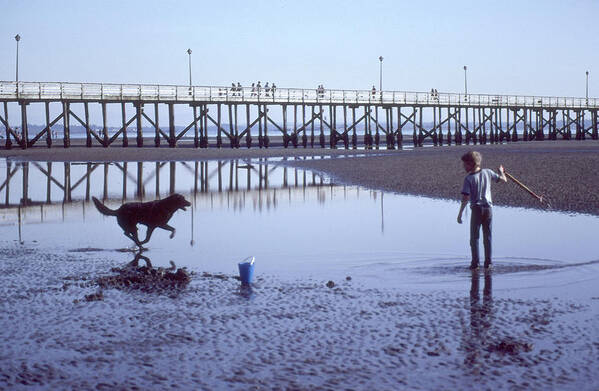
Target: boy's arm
{"points": [[465, 198]]}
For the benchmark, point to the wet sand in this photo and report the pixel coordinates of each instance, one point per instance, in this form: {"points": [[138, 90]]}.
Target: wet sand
{"points": [[213, 334], [565, 172], [279, 335]]}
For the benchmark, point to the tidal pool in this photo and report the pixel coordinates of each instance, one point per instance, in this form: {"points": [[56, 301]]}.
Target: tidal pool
{"points": [[298, 225]]}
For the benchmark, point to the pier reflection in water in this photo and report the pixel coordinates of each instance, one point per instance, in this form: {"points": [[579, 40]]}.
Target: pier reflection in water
{"points": [[124, 181], [297, 224], [38, 194]]}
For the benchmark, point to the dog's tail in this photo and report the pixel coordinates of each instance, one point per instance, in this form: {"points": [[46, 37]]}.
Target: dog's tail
{"points": [[102, 208]]}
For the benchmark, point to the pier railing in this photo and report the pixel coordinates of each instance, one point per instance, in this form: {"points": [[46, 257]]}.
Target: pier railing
{"points": [[44, 91]]}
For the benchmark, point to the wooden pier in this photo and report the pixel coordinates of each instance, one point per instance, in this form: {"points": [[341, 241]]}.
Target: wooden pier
{"points": [[243, 116]]}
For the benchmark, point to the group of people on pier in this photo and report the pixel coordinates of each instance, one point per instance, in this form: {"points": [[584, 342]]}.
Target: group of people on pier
{"points": [[268, 89]]}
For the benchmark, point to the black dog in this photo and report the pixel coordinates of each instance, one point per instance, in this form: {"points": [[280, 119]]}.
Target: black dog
{"points": [[153, 214]]}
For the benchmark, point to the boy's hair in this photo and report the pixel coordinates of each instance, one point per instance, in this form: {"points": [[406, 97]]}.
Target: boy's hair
{"points": [[472, 157]]}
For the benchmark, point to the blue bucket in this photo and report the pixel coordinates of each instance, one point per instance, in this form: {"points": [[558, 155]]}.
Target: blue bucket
{"points": [[246, 270]]}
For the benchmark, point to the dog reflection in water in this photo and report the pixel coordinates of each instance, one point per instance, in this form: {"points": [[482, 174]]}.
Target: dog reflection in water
{"points": [[140, 257], [153, 214]]}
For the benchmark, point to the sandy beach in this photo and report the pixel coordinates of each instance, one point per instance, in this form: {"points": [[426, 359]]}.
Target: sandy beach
{"points": [[63, 327]]}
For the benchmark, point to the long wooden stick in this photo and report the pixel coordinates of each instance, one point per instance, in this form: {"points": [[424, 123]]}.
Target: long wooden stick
{"points": [[523, 186]]}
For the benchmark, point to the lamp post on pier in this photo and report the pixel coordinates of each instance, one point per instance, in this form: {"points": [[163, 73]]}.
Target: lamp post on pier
{"points": [[189, 52], [587, 88], [465, 81], [381, 74], [17, 38]]}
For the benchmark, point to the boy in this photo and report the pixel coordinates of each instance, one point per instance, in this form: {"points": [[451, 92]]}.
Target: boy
{"points": [[477, 189]]}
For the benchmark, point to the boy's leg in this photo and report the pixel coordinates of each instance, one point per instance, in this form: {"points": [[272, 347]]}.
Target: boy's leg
{"points": [[487, 219], [475, 222]]}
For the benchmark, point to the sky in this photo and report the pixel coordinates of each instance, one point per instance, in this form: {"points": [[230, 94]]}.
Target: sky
{"points": [[535, 47]]}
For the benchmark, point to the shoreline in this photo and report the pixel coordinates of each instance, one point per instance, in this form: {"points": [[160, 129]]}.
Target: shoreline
{"points": [[563, 171]]}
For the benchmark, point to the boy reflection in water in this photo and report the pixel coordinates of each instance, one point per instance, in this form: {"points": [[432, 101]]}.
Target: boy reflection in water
{"points": [[481, 317]]}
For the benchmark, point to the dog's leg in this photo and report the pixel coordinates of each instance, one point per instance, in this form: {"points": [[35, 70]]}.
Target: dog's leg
{"points": [[169, 228], [148, 234], [133, 236]]}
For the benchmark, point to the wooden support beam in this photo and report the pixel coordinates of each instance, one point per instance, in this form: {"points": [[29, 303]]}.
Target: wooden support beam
{"points": [[157, 130], [205, 112], [377, 137], [304, 135], [294, 137], [196, 136], [312, 128], [248, 137], [321, 135], [231, 130], [7, 128], [354, 137], [45, 130], [284, 129], [345, 137], [236, 129], [172, 138], [399, 129], [215, 122], [421, 128], [24, 126], [88, 137], [266, 139], [105, 142], [595, 134], [260, 137], [219, 137], [66, 123], [139, 108], [117, 133], [124, 127], [48, 131]]}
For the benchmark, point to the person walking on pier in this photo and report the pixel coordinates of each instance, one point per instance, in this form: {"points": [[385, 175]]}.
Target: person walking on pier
{"points": [[477, 190], [320, 90]]}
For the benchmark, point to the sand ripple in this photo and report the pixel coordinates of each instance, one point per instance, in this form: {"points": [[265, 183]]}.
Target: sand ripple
{"points": [[279, 334]]}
